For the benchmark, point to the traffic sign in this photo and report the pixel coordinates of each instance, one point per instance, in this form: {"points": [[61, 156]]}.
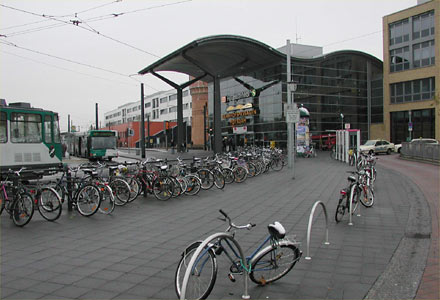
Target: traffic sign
{"points": [[292, 114], [410, 126]]}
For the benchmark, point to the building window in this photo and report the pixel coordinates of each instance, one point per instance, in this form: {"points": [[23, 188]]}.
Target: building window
{"points": [[424, 54], [163, 111], [3, 128], [148, 104], [399, 59], [163, 100], [173, 109], [155, 102], [423, 25], [415, 90], [399, 32], [173, 97], [185, 93], [186, 106]]}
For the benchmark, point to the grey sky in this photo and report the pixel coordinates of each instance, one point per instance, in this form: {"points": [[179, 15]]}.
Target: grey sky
{"points": [[94, 68]]}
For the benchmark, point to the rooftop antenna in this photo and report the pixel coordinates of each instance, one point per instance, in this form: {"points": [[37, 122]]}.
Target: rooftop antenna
{"points": [[297, 38]]}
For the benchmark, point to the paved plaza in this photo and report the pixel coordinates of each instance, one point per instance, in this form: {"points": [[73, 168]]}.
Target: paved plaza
{"points": [[133, 253]]}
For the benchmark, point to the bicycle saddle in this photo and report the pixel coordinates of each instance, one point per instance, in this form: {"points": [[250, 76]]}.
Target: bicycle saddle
{"points": [[276, 230], [351, 178]]}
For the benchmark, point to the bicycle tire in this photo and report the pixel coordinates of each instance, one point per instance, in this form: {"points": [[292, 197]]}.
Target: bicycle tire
{"points": [[107, 205], [252, 170], [135, 188], [177, 187], [228, 174], [340, 209], [366, 196], [88, 200], [163, 188], [203, 291], [240, 174], [193, 185], [219, 179], [22, 209], [273, 262], [2, 201], [49, 204], [121, 191], [276, 164], [206, 178]]}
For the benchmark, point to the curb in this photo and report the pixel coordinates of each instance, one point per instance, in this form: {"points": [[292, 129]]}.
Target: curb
{"points": [[404, 272]]}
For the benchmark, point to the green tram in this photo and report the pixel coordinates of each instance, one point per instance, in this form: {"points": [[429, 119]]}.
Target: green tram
{"points": [[29, 137], [95, 144]]}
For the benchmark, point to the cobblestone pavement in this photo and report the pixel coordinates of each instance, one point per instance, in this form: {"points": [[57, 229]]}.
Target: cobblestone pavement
{"points": [[133, 253]]}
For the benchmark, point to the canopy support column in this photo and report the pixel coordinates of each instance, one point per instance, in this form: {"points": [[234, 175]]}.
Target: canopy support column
{"points": [[217, 117], [179, 88]]}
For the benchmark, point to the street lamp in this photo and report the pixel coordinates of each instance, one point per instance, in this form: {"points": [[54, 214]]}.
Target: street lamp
{"points": [[342, 120]]}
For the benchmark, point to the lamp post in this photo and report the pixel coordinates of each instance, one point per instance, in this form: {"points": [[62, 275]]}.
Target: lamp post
{"points": [[342, 121]]}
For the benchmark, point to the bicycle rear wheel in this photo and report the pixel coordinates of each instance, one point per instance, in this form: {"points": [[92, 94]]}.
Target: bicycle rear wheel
{"points": [[22, 209], [2, 201], [219, 179], [276, 164], [107, 200], [240, 174], [121, 191], [193, 184], [273, 263], [340, 209], [207, 178], [203, 275], [228, 174], [163, 188], [88, 200], [49, 204]]}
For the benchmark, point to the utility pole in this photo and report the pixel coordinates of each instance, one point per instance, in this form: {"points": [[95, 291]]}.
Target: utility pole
{"points": [[96, 110], [142, 123], [68, 123]]}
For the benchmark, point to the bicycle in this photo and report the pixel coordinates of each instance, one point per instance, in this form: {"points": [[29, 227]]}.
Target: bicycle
{"points": [[270, 261], [46, 199], [21, 206], [357, 191]]}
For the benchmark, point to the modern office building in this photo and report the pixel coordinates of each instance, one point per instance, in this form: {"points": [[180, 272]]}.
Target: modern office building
{"points": [[159, 107], [412, 73]]}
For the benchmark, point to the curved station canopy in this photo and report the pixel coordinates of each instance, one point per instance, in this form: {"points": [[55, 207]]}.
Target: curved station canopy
{"points": [[219, 56]]}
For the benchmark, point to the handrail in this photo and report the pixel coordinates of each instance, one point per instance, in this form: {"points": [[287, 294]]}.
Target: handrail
{"points": [[223, 235], [309, 228]]}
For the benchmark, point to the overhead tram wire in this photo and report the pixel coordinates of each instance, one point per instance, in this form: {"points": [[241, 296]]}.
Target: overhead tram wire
{"points": [[70, 61], [65, 69]]}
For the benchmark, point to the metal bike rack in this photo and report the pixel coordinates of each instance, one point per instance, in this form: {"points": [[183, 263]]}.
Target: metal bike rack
{"points": [[222, 235], [350, 221], [309, 229]]}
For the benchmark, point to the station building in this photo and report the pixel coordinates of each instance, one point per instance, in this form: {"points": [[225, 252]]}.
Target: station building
{"points": [[247, 88]]}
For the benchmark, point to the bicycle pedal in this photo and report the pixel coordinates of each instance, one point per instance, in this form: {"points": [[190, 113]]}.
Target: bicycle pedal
{"points": [[231, 277]]}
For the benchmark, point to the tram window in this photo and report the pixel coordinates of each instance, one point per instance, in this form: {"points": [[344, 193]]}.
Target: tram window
{"points": [[56, 129], [3, 128], [25, 128], [47, 129]]}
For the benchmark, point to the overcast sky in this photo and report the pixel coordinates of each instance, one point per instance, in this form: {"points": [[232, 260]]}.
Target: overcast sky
{"points": [[48, 61]]}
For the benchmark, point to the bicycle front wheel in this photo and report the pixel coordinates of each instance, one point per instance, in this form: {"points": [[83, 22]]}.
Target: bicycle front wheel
{"points": [[273, 263], [366, 196], [228, 174], [2, 201], [88, 200], [22, 209], [340, 209], [207, 178], [219, 179], [49, 204], [202, 277], [163, 188]]}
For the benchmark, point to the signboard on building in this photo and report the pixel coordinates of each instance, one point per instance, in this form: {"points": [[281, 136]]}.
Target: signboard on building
{"points": [[240, 130]]}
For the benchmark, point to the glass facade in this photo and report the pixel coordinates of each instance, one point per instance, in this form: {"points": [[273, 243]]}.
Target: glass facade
{"points": [[423, 124], [252, 107], [412, 43]]}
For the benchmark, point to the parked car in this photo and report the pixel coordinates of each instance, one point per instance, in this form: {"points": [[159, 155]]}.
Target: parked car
{"points": [[377, 146], [397, 147]]}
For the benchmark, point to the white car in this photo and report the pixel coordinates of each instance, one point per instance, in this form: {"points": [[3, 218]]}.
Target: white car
{"points": [[397, 147], [377, 146]]}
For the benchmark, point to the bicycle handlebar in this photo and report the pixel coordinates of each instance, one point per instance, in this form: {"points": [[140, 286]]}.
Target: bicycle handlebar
{"points": [[232, 225]]}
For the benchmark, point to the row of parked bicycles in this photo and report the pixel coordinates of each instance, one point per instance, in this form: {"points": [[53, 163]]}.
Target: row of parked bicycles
{"points": [[360, 187], [100, 187]]}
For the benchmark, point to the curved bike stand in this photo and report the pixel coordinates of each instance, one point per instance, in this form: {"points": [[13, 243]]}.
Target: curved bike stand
{"points": [[222, 235], [309, 228]]}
